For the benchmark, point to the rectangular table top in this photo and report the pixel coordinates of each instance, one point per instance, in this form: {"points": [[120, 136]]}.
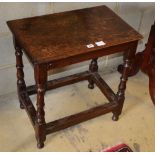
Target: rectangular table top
{"points": [[58, 36]]}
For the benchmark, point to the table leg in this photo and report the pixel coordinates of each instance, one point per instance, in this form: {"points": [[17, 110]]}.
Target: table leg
{"points": [[145, 61], [93, 67], [20, 73], [41, 80], [129, 57]]}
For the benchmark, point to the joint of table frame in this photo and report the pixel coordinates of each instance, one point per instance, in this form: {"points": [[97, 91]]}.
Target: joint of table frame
{"points": [[103, 86], [28, 106], [56, 83], [77, 118]]}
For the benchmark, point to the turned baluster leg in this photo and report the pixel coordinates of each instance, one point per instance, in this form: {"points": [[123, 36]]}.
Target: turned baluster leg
{"points": [[93, 67], [121, 90], [20, 73], [41, 79], [123, 80]]}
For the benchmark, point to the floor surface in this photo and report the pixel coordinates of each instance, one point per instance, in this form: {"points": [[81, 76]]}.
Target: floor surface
{"points": [[135, 127]]}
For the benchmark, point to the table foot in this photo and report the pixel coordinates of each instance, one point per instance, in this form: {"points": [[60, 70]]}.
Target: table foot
{"points": [[91, 85], [115, 117], [40, 145], [21, 105]]}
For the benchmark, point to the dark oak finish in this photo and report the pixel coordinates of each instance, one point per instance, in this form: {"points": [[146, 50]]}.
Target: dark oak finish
{"points": [[41, 80], [52, 84], [79, 117], [93, 67], [27, 104], [70, 31], [60, 39], [105, 89], [20, 73], [129, 56], [146, 62]]}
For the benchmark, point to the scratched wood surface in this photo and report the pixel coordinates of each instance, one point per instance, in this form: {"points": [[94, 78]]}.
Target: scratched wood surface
{"points": [[63, 35]]}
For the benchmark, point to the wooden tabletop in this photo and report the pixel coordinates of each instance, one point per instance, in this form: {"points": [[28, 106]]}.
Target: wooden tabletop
{"points": [[58, 36]]}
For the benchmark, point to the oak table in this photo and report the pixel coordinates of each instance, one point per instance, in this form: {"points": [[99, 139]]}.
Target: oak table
{"points": [[61, 39]]}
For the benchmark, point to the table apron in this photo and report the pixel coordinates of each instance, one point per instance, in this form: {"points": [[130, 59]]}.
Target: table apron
{"points": [[91, 55]]}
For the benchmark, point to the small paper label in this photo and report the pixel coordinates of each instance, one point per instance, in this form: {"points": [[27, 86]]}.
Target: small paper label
{"points": [[90, 46], [100, 43]]}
